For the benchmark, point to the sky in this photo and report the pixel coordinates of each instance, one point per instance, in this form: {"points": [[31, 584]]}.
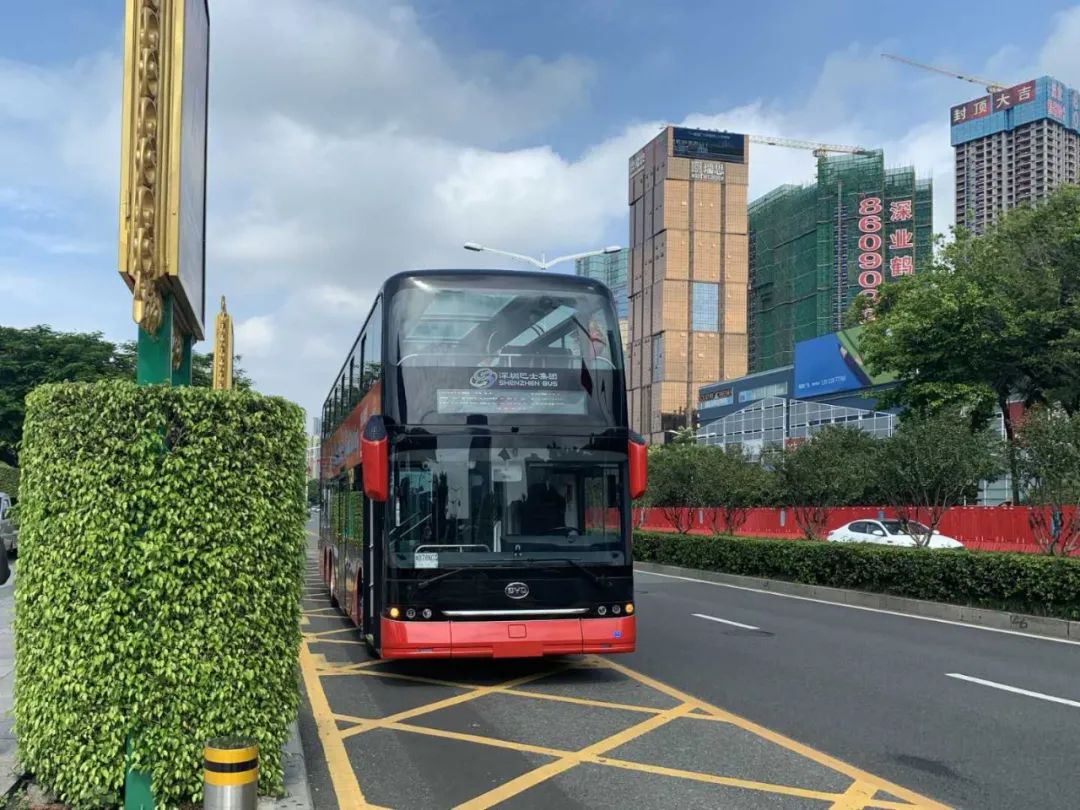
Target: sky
{"points": [[352, 139]]}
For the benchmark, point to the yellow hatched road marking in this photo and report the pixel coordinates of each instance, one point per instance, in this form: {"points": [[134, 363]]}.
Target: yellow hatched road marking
{"points": [[368, 725], [856, 797], [534, 777], [342, 776], [321, 635], [812, 754]]}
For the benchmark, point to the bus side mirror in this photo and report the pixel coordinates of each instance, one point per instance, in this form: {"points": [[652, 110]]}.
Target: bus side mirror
{"points": [[375, 459], [636, 453]]}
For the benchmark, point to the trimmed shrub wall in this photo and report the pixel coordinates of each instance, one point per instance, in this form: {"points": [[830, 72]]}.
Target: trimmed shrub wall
{"points": [[160, 568], [9, 480], [1021, 583]]}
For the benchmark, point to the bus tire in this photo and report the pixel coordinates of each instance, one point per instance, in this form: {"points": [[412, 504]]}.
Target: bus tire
{"points": [[333, 583]]}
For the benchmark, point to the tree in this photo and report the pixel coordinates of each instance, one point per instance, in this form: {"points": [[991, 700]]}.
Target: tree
{"points": [[934, 462], [995, 317], [675, 472], [731, 485], [837, 467], [39, 354], [1050, 471], [30, 357]]}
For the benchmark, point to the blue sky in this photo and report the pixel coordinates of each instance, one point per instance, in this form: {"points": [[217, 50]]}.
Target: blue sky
{"points": [[350, 140]]}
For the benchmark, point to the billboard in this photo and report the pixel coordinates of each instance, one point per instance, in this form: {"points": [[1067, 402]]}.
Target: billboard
{"points": [[163, 160], [832, 363], [706, 144], [188, 271]]}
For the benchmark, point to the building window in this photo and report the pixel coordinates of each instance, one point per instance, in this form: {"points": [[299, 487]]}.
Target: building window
{"points": [[658, 358], [705, 307]]}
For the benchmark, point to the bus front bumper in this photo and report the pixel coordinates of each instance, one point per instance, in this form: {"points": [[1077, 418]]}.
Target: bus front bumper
{"points": [[498, 639]]}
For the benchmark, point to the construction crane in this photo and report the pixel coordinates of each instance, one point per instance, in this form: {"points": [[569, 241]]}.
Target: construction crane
{"points": [[819, 149], [991, 87]]}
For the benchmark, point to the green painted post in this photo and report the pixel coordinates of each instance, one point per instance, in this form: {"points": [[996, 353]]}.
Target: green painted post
{"points": [[153, 360], [138, 794], [154, 366]]}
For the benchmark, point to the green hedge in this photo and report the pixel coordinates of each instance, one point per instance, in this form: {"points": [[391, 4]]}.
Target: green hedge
{"points": [[160, 570], [1021, 583], [9, 480]]}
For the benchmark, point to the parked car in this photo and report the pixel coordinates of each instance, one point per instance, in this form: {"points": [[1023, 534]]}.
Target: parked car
{"points": [[9, 536], [890, 533]]}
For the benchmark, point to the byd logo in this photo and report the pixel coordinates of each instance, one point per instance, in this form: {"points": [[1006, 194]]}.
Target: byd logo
{"points": [[517, 590]]}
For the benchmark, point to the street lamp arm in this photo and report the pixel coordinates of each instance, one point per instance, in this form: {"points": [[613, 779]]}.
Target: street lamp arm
{"points": [[519, 256], [585, 254]]}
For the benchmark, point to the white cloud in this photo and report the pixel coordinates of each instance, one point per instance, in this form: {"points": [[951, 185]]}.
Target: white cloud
{"points": [[254, 337], [347, 144]]}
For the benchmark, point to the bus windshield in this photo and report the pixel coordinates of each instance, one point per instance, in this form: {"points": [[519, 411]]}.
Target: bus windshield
{"points": [[447, 321], [464, 501], [517, 350]]}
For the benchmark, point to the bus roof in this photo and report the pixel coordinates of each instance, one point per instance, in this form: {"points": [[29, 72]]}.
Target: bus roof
{"points": [[544, 276]]}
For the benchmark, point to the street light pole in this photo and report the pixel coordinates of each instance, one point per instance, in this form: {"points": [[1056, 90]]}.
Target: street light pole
{"points": [[542, 262]]}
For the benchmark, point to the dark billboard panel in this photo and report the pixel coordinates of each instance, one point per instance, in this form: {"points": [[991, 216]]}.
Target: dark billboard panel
{"points": [[832, 363], [705, 144], [191, 261]]}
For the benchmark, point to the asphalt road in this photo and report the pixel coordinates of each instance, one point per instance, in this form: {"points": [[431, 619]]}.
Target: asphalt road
{"points": [[873, 689], [736, 699]]}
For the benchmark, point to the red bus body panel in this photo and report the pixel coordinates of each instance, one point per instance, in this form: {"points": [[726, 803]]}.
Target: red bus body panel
{"points": [[507, 639]]}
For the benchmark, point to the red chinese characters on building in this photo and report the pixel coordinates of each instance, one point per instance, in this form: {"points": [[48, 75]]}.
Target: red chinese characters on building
{"points": [[870, 243], [901, 238]]}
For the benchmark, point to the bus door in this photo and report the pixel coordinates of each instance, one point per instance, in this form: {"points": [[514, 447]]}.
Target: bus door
{"points": [[373, 579]]}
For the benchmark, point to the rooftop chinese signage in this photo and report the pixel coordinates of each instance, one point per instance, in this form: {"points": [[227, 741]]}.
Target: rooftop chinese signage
{"points": [[708, 144], [995, 102]]}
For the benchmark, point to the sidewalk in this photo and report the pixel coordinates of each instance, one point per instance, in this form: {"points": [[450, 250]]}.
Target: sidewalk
{"points": [[8, 770]]}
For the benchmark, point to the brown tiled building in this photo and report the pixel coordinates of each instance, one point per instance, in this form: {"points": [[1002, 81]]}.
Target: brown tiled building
{"points": [[688, 273]]}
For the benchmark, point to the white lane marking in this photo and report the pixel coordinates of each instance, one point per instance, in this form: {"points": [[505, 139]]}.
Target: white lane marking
{"points": [[1006, 688], [724, 621], [1074, 642]]}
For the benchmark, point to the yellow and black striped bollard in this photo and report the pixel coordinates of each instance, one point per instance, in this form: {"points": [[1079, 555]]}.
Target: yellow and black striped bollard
{"points": [[230, 775]]}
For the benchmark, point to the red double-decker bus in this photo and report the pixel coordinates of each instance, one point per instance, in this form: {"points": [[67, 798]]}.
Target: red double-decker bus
{"points": [[478, 470]]}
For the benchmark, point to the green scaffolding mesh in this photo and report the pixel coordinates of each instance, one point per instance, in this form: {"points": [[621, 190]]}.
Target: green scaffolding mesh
{"points": [[804, 249]]}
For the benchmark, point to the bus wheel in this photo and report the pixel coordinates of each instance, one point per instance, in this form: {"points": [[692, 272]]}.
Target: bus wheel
{"points": [[369, 642], [358, 604], [333, 586]]}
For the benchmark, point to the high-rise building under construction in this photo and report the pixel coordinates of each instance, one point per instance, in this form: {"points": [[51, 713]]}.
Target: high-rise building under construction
{"points": [[688, 273], [815, 248], [1014, 146]]}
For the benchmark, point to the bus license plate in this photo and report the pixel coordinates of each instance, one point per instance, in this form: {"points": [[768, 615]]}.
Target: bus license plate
{"points": [[425, 560]]}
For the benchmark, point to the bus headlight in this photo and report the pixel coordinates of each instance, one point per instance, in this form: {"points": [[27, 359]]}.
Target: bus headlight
{"points": [[427, 613], [629, 608], [616, 609], [602, 610], [410, 613], [394, 613]]}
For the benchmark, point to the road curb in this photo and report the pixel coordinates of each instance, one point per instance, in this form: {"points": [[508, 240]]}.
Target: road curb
{"points": [[297, 790], [977, 617]]}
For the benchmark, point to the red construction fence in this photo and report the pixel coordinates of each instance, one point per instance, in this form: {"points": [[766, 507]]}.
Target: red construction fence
{"points": [[989, 528]]}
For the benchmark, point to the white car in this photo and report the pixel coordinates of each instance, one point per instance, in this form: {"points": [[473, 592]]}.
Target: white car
{"points": [[890, 533]]}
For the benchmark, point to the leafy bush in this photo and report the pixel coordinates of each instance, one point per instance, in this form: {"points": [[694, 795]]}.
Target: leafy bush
{"points": [[1023, 583], [9, 480], [161, 557]]}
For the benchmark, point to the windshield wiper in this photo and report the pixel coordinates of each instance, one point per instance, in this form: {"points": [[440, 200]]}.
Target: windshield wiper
{"points": [[453, 571], [598, 580]]}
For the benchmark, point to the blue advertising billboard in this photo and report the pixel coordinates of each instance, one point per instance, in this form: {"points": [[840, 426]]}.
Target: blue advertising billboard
{"points": [[707, 144], [832, 363]]}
